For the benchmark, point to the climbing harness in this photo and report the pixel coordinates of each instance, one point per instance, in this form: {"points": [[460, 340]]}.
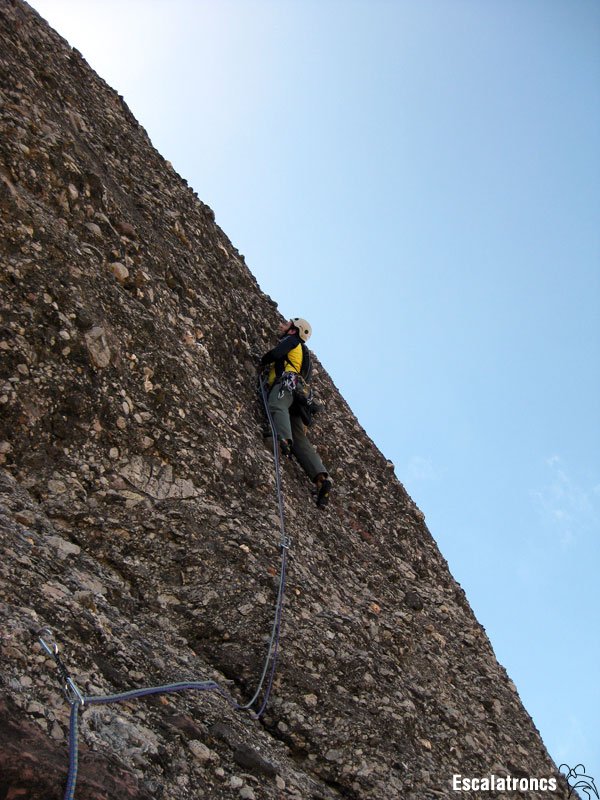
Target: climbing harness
{"points": [[78, 701], [287, 383], [298, 385]]}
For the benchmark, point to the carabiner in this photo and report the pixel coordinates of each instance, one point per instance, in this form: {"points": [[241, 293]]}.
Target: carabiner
{"points": [[72, 693], [52, 648], [70, 689]]}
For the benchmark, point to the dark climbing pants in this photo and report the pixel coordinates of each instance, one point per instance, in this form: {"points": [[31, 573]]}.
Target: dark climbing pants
{"points": [[290, 427]]}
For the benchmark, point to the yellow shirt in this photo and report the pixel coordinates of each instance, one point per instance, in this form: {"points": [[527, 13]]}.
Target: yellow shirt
{"points": [[293, 363]]}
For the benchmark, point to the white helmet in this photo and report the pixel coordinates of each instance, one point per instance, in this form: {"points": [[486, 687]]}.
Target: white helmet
{"points": [[304, 328]]}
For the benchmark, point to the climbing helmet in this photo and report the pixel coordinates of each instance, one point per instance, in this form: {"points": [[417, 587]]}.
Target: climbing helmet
{"points": [[304, 328]]}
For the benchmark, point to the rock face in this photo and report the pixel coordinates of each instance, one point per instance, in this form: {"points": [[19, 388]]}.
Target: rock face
{"points": [[139, 518]]}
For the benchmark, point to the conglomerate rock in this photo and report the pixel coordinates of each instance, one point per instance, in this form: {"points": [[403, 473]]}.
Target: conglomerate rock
{"points": [[139, 517]]}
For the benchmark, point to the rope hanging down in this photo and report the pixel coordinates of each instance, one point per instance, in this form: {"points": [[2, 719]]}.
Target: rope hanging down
{"points": [[79, 701]]}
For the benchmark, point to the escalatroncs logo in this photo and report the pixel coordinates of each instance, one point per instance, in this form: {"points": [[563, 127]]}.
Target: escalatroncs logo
{"points": [[578, 780]]}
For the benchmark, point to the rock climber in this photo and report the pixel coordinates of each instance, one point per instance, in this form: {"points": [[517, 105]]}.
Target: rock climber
{"points": [[285, 362]]}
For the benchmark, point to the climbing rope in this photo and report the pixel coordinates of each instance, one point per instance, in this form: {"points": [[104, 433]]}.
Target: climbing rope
{"points": [[272, 651], [78, 701]]}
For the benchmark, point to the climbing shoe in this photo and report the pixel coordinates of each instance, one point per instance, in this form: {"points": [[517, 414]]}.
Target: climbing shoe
{"points": [[285, 448], [324, 485]]}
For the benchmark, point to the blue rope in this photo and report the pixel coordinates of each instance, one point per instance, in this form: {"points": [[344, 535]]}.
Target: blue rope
{"points": [[133, 694], [78, 701], [73, 752]]}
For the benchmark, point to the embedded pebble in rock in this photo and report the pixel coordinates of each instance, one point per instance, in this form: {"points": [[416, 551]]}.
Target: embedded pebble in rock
{"points": [[201, 751], [94, 229], [138, 515], [120, 272], [99, 351]]}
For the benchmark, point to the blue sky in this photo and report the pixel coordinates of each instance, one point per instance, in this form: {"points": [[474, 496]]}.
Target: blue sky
{"points": [[421, 181]]}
